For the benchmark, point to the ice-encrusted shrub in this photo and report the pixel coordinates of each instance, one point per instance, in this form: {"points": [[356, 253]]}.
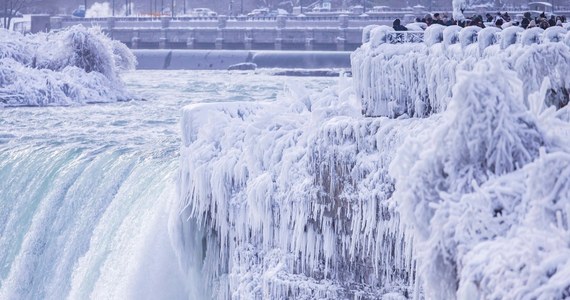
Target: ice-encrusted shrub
{"points": [[417, 79], [75, 65], [488, 132], [88, 49], [526, 252], [12, 47], [551, 60]]}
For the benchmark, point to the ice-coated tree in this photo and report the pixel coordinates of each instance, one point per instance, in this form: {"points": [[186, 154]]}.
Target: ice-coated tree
{"points": [[9, 9]]}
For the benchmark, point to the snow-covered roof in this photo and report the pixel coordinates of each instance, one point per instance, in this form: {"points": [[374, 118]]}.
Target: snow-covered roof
{"points": [[541, 3]]}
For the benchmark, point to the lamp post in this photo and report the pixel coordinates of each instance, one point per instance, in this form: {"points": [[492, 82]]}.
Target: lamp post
{"points": [[113, 8]]}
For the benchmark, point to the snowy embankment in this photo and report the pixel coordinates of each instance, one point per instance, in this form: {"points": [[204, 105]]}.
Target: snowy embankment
{"points": [[306, 198], [76, 65]]}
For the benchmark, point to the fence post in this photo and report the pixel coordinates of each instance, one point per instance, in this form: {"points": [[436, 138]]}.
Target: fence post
{"points": [[222, 23], [110, 26], [164, 22], [248, 39], [135, 41], [55, 22], [343, 21], [309, 40], [281, 21], [190, 43]]}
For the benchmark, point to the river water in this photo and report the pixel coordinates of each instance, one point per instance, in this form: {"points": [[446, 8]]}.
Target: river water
{"points": [[86, 191]]}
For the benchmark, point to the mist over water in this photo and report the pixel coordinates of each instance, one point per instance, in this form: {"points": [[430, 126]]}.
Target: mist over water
{"points": [[87, 193]]}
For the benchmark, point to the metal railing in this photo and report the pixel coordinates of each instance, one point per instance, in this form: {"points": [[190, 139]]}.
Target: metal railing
{"points": [[401, 37]]}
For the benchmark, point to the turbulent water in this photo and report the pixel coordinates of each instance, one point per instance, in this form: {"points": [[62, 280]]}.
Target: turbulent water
{"points": [[86, 191]]}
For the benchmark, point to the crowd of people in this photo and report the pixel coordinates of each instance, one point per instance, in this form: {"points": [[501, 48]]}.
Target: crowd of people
{"points": [[499, 20]]}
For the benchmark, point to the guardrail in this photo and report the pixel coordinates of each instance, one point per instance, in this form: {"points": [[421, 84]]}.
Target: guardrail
{"points": [[534, 36]]}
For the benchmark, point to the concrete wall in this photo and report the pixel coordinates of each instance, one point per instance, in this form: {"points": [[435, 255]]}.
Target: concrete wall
{"points": [[40, 23], [223, 59], [341, 33]]}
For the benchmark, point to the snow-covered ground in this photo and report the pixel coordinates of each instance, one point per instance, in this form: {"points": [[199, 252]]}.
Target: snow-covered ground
{"points": [[73, 66], [307, 198]]}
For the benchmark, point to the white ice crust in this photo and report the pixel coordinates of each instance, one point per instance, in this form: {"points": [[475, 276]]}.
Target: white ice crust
{"points": [[460, 190]]}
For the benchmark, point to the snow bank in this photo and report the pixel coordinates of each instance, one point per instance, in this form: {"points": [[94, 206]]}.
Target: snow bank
{"points": [[417, 79], [76, 65]]}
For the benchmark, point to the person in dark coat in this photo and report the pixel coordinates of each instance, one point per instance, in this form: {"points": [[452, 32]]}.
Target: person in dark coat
{"points": [[526, 20], [397, 26], [477, 22], [524, 23], [437, 19], [499, 23], [552, 21]]}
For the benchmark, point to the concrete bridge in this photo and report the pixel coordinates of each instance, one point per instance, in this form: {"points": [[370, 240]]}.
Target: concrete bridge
{"points": [[341, 33]]}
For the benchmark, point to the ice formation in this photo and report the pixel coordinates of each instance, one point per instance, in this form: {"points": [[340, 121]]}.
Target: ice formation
{"points": [[76, 65], [462, 192], [292, 198], [417, 78]]}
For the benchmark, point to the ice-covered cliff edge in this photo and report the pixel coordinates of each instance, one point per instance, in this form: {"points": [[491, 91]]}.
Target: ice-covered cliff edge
{"points": [[76, 65], [307, 198], [293, 197], [418, 78]]}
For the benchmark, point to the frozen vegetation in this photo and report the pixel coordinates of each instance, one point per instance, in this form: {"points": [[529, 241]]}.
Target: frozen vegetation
{"points": [[417, 78], [459, 189], [76, 65]]}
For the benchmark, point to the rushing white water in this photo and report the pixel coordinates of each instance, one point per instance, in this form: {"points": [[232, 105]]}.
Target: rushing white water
{"points": [[85, 192]]}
